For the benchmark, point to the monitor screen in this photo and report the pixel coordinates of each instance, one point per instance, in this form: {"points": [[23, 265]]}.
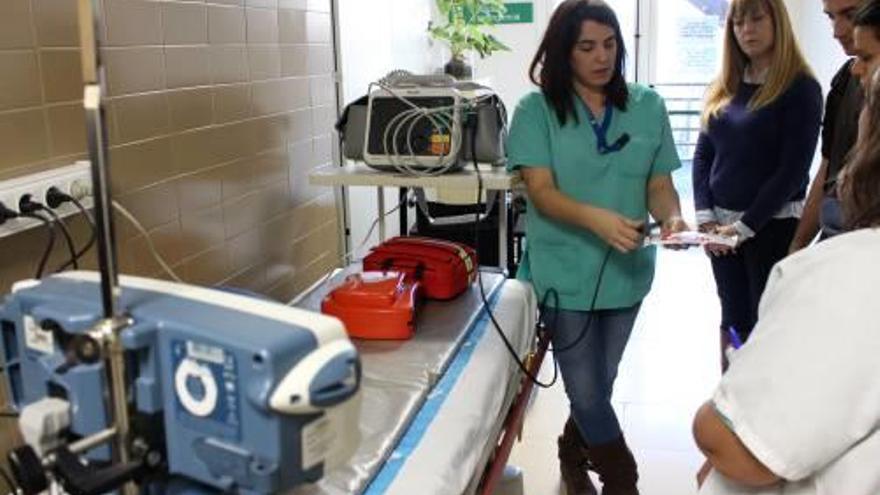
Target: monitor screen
{"points": [[425, 139]]}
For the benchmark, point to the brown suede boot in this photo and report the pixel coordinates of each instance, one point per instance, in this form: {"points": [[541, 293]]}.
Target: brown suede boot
{"points": [[616, 467], [573, 461]]}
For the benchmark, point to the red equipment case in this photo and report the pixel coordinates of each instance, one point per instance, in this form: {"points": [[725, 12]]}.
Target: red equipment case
{"points": [[444, 268], [377, 306]]}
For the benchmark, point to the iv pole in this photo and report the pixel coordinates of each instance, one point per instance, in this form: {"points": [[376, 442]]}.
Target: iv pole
{"points": [[107, 332]]}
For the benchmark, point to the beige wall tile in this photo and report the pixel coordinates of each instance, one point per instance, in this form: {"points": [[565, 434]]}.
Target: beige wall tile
{"points": [[62, 74], [270, 168], [13, 32], [133, 22], [299, 125], [267, 133], [67, 124], [208, 268], [231, 103], [238, 179], [134, 70], [226, 25], [23, 138], [187, 66], [190, 108], [263, 203], [266, 4], [267, 97], [294, 60], [323, 91], [229, 64], [20, 80], [217, 187], [293, 4], [319, 28], [320, 60], [262, 26], [264, 61], [200, 190], [247, 249], [134, 166], [253, 279], [296, 93], [204, 230], [233, 142], [153, 206], [56, 22], [292, 26], [167, 239], [323, 120], [141, 116], [184, 23]]}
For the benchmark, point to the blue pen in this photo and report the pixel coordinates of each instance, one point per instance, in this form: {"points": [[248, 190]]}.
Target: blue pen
{"points": [[735, 341]]}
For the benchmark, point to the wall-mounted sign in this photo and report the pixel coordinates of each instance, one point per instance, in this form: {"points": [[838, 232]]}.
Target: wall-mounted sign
{"points": [[515, 13], [518, 13]]}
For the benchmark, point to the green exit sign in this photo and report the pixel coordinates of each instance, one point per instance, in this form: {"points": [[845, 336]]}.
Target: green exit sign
{"points": [[514, 13], [518, 13]]}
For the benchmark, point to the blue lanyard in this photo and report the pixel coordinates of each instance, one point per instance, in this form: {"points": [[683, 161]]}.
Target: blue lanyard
{"points": [[601, 131]]}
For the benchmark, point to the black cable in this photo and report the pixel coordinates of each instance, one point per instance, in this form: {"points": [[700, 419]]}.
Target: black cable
{"points": [[68, 239], [57, 198], [592, 309], [50, 228], [533, 378]]}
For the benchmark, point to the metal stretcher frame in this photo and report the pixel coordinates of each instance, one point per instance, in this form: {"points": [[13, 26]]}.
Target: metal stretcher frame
{"points": [[410, 446]]}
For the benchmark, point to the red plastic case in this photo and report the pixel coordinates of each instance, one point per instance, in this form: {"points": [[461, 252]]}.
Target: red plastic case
{"points": [[444, 268], [375, 306]]}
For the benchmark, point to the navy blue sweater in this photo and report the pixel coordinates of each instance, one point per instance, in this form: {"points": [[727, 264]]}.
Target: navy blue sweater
{"points": [[757, 161]]}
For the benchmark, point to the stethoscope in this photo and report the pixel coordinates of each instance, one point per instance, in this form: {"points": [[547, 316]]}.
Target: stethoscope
{"points": [[601, 131]]}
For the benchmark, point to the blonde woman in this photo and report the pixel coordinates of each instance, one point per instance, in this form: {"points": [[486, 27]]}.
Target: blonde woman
{"points": [[760, 127]]}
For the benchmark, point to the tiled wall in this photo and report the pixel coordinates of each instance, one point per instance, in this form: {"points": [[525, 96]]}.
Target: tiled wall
{"points": [[218, 111]]}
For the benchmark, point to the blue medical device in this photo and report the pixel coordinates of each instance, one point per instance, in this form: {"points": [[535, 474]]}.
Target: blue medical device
{"points": [[228, 393]]}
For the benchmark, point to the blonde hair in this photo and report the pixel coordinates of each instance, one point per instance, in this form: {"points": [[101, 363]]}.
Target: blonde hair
{"points": [[787, 65]]}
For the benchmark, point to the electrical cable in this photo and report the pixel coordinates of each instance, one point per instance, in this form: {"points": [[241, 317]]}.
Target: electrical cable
{"points": [[152, 247], [486, 306], [92, 239], [442, 120], [65, 232], [50, 244]]}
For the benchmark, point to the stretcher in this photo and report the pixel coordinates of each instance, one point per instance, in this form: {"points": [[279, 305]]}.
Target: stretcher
{"points": [[439, 408]]}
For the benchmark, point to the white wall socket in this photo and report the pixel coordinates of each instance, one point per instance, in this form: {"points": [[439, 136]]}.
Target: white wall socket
{"points": [[75, 180]]}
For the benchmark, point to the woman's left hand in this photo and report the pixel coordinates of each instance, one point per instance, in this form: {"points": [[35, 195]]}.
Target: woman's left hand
{"points": [[726, 231]]}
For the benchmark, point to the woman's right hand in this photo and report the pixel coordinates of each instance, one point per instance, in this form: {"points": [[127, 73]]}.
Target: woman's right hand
{"points": [[621, 233]]}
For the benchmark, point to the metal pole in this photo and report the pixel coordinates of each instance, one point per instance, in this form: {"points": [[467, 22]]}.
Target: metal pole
{"points": [[97, 142], [108, 330]]}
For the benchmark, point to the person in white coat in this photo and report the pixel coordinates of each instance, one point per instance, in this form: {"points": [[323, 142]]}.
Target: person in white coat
{"points": [[798, 411]]}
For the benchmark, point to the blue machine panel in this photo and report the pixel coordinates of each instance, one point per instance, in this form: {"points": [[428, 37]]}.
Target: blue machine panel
{"points": [[207, 394]]}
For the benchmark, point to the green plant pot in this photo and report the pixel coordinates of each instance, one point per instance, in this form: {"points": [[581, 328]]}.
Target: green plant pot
{"points": [[459, 69]]}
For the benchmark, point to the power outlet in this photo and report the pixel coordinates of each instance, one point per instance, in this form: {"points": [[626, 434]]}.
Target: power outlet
{"points": [[73, 179]]}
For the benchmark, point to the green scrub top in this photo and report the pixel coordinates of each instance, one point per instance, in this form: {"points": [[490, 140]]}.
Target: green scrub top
{"points": [[567, 258]]}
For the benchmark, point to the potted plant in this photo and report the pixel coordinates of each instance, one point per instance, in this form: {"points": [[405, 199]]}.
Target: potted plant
{"points": [[465, 30]]}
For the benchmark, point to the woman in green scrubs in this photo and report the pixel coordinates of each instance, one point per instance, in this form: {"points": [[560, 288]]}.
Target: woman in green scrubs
{"points": [[596, 155]]}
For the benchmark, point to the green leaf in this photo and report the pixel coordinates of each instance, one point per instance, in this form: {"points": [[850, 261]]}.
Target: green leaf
{"points": [[466, 22]]}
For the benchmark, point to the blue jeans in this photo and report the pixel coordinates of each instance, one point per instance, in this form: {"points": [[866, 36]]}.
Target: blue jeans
{"points": [[589, 367]]}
